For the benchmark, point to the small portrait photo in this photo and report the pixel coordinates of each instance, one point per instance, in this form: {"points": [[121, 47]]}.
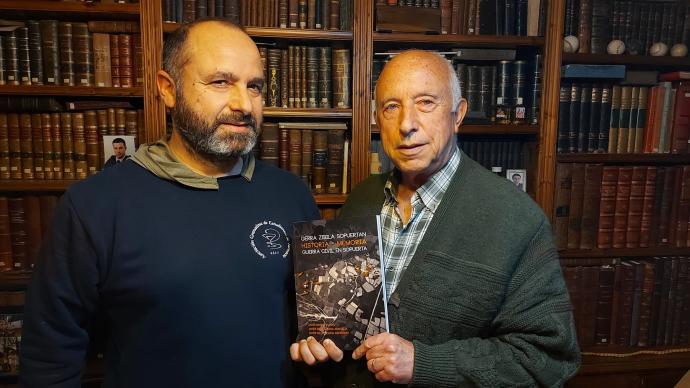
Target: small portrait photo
{"points": [[518, 177], [117, 149]]}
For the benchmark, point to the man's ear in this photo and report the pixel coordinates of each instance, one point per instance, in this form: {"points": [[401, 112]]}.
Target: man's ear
{"points": [[166, 88], [460, 112]]}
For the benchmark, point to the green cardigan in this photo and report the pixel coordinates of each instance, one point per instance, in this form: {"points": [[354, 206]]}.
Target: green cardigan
{"points": [[483, 299]]}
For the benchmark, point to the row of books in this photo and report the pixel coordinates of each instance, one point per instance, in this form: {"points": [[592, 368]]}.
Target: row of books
{"points": [[312, 14], [24, 220], [67, 145], [621, 206], [503, 92], [10, 340], [639, 24], [48, 52], [316, 152], [640, 302], [307, 77], [492, 154], [623, 119], [480, 17]]}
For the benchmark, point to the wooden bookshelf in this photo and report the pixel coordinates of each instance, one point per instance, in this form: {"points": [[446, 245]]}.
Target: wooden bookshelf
{"points": [[284, 33], [73, 9], [56, 185], [308, 113], [14, 280], [488, 129], [330, 199], [453, 40], [632, 60], [624, 252], [634, 359], [625, 158], [73, 91]]}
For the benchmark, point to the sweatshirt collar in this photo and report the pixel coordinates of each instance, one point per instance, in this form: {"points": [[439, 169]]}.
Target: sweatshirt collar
{"points": [[160, 160]]}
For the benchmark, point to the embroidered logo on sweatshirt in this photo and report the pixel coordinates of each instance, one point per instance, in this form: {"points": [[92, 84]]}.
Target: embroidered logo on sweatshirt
{"points": [[269, 239]]}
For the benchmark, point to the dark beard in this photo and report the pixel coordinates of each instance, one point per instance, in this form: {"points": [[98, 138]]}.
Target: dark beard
{"points": [[206, 140]]}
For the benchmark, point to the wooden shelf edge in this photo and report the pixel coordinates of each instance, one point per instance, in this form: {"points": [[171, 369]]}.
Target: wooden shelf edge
{"points": [[624, 158], [14, 281], [330, 199], [69, 7], [77, 91], [308, 112], [460, 40], [648, 359], [624, 252], [283, 33], [644, 60], [35, 185], [488, 129]]}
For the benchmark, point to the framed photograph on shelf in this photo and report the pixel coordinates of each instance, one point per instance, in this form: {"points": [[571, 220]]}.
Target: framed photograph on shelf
{"points": [[117, 149], [518, 177]]}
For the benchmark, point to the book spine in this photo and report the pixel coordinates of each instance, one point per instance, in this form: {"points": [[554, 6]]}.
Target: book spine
{"points": [[269, 144], [26, 146], [325, 80], [93, 150], [126, 73], [24, 61], [341, 78], [312, 77], [11, 58], [115, 60], [66, 39], [37, 146], [101, 52], [67, 146]]}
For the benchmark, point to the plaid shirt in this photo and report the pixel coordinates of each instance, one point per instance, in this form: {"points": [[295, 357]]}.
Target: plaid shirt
{"points": [[400, 241]]}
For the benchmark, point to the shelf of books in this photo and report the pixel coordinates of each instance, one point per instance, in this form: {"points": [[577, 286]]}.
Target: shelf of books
{"points": [[595, 362], [489, 129], [284, 33], [606, 158], [452, 40], [621, 209], [92, 9], [71, 91], [308, 105], [498, 63], [318, 113], [646, 61], [71, 81]]}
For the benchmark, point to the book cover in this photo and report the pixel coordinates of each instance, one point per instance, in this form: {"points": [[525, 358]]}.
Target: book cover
{"points": [[339, 280]]}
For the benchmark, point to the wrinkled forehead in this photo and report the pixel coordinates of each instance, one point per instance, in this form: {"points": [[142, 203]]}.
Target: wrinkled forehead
{"points": [[417, 73]]}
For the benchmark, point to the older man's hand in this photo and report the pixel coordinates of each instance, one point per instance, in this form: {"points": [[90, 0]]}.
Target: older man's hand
{"points": [[389, 357], [311, 352]]}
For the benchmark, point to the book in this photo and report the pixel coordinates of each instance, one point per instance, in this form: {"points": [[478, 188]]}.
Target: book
{"points": [[339, 280]]}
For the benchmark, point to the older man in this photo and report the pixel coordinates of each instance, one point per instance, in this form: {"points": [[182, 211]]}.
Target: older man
{"points": [[476, 292], [172, 250]]}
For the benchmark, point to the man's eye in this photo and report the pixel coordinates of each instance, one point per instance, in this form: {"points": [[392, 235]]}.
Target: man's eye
{"points": [[255, 87], [390, 107], [426, 102], [220, 82]]}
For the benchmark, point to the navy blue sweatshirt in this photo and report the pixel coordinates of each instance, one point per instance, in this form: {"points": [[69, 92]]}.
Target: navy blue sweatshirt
{"points": [[195, 286]]}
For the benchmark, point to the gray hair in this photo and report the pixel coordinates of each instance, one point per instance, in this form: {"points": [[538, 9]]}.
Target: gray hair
{"points": [[454, 83]]}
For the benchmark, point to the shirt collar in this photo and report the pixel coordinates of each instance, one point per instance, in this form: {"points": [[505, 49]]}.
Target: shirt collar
{"points": [[431, 192], [159, 159]]}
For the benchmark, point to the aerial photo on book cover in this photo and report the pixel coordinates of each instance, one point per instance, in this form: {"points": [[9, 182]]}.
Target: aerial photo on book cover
{"points": [[339, 280]]}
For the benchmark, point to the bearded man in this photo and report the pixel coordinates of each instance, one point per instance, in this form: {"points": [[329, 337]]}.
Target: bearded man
{"points": [[170, 249]]}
